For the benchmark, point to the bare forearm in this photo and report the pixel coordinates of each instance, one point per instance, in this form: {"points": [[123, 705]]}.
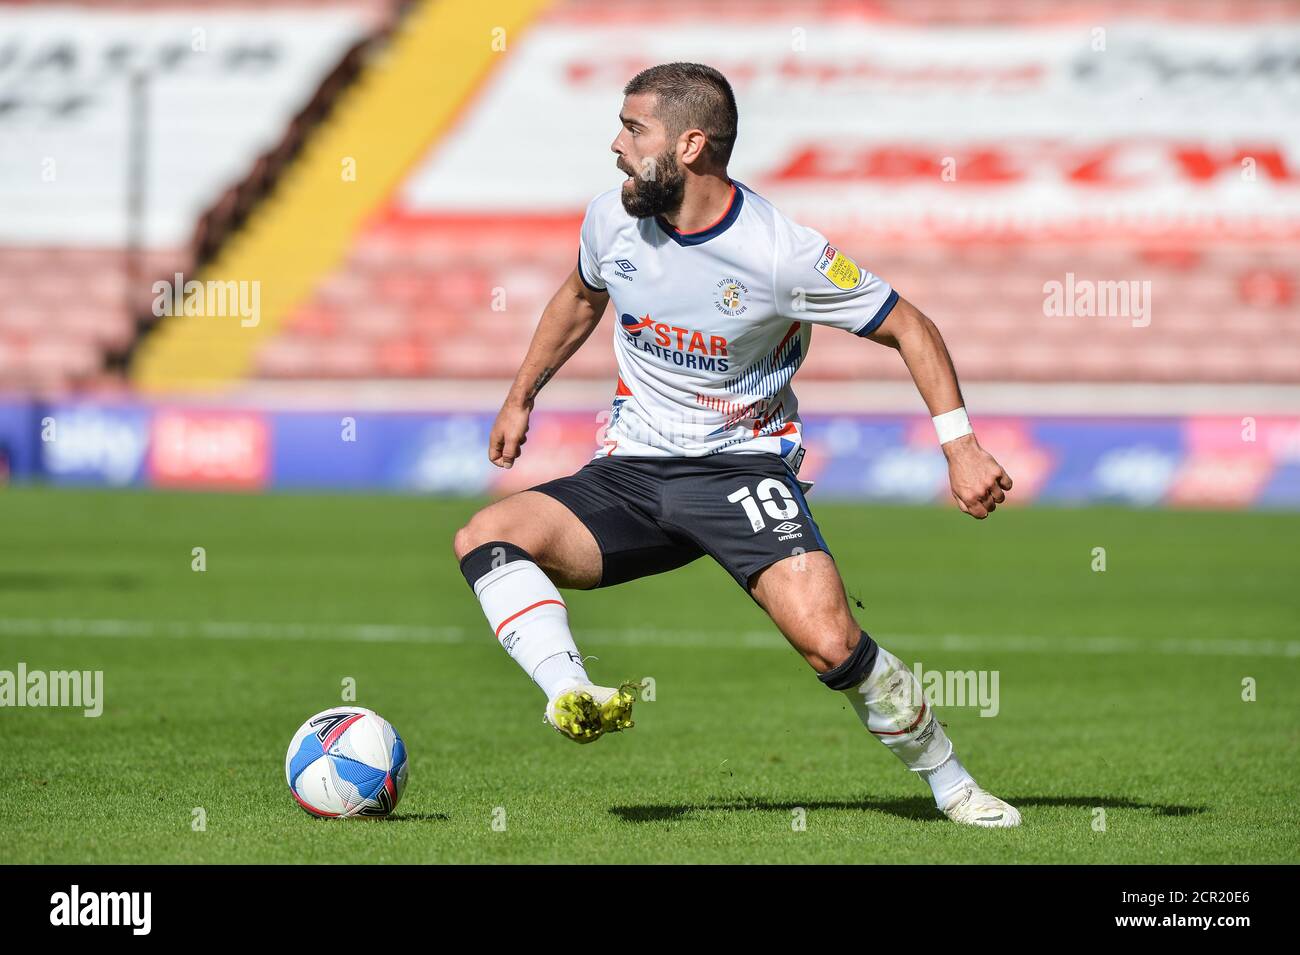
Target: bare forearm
{"points": [[567, 321], [918, 341], [979, 484]]}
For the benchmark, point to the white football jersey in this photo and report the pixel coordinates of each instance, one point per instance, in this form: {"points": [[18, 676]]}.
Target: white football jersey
{"points": [[714, 324]]}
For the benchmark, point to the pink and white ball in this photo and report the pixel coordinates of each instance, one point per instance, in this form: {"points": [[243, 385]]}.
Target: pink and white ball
{"points": [[346, 761]]}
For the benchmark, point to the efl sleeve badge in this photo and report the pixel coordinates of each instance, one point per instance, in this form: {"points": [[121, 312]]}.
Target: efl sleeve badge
{"points": [[842, 271]]}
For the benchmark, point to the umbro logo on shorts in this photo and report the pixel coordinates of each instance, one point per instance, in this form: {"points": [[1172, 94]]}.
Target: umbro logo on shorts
{"points": [[788, 530]]}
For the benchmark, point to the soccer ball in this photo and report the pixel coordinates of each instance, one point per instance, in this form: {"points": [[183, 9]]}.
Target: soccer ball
{"points": [[347, 761]]}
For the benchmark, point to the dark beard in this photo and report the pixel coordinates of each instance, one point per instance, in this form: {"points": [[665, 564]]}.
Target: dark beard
{"points": [[659, 196]]}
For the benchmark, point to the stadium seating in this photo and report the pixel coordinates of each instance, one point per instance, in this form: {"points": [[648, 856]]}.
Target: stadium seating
{"points": [[448, 278], [427, 293], [416, 299], [223, 88]]}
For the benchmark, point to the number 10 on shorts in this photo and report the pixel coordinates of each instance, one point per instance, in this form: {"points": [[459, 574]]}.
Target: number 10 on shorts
{"points": [[778, 510]]}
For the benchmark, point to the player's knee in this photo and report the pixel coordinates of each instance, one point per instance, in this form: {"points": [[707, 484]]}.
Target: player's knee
{"points": [[486, 526], [834, 643], [462, 542], [481, 529]]}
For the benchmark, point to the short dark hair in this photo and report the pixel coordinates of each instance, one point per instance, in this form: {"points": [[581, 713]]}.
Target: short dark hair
{"points": [[692, 96]]}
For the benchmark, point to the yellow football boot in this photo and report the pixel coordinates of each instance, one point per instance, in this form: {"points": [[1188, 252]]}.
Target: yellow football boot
{"points": [[584, 713]]}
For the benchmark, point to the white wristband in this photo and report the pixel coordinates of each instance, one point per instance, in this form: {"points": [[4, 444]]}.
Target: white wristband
{"points": [[952, 424]]}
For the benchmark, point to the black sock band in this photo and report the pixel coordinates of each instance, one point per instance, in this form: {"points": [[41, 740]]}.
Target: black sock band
{"points": [[855, 669], [488, 557]]}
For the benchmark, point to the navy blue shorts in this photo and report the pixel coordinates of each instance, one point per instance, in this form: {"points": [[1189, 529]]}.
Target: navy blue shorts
{"points": [[653, 514]]}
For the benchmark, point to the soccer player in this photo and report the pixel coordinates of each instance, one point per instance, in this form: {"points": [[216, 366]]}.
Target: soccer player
{"points": [[715, 293]]}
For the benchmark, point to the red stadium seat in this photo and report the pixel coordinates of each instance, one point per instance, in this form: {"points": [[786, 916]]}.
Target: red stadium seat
{"points": [[988, 300]]}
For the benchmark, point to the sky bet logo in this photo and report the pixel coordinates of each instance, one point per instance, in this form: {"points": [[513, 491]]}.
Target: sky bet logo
{"points": [[677, 346]]}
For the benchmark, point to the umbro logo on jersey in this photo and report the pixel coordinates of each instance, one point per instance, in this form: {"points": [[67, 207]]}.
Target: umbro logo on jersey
{"points": [[625, 265]]}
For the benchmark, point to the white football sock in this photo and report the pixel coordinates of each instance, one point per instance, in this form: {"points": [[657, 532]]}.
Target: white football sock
{"points": [[949, 779], [559, 672], [531, 621], [892, 706]]}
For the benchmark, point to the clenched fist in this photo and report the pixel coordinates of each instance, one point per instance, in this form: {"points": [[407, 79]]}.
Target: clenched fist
{"points": [[509, 432], [978, 482]]}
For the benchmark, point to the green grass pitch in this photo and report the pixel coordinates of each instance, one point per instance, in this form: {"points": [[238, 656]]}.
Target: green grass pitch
{"points": [[1121, 692]]}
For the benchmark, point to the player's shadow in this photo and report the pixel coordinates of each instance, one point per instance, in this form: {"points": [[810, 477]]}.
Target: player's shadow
{"points": [[920, 808]]}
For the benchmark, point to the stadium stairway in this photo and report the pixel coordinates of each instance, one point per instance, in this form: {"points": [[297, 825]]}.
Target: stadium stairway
{"points": [[401, 102]]}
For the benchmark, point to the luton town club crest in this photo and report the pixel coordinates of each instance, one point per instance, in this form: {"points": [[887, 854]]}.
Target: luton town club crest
{"points": [[729, 297]]}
